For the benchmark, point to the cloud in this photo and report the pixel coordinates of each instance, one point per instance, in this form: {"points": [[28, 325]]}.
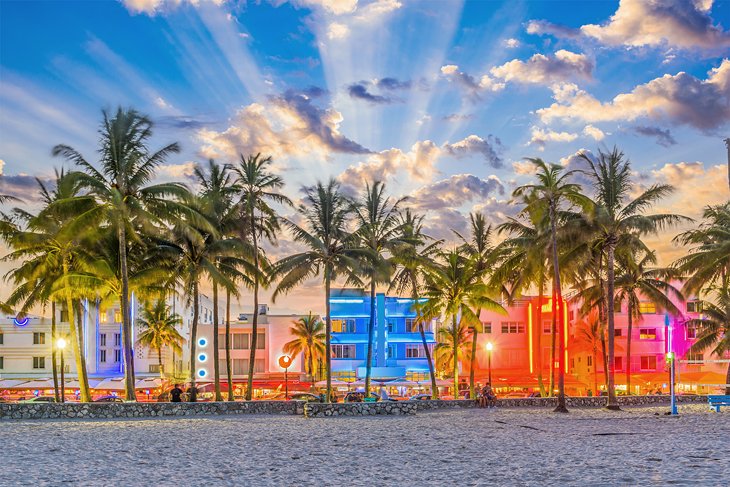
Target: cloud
{"points": [[22, 186], [457, 117], [418, 164], [455, 191], [473, 87], [540, 27], [540, 137], [153, 7], [340, 17], [336, 30], [360, 90], [524, 167], [176, 172], [182, 121], [490, 149], [663, 137], [288, 125], [2, 166], [680, 23], [594, 132], [335, 7], [541, 69], [393, 84], [511, 43], [681, 99]]}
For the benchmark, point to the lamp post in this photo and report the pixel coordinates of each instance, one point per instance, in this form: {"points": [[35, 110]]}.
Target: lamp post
{"points": [[284, 362], [672, 361], [490, 347], [61, 345]]}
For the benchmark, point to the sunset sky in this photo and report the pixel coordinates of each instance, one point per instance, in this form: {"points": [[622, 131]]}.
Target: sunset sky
{"points": [[440, 99]]}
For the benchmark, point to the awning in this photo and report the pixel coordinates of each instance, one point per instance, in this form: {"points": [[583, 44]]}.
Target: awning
{"points": [[34, 384], [113, 384], [74, 384], [11, 383], [148, 383]]}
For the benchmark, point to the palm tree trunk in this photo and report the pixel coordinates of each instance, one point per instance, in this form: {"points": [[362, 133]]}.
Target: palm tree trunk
{"points": [[83, 375], [727, 381], [54, 360], [216, 365], [76, 348], [434, 388], [595, 371], [371, 336], [128, 349], [612, 402], [159, 362], [455, 335], [472, 361], [255, 320], [229, 374], [194, 332], [539, 332], [328, 332], [628, 349], [553, 342], [310, 364], [558, 310]]}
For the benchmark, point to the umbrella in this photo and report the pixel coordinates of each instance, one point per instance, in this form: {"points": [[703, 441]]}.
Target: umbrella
{"points": [[112, 384], [11, 383], [148, 383], [74, 384], [402, 383], [34, 384]]}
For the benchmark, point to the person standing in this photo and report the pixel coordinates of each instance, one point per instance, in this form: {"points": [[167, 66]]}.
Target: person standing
{"points": [[192, 394], [176, 394]]}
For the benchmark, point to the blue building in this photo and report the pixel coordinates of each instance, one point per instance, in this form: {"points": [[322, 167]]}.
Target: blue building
{"points": [[398, 349]]}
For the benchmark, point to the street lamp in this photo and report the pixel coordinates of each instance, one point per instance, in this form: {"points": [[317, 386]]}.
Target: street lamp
{"points": [[490, 347], [61, 345], [284, 362]]}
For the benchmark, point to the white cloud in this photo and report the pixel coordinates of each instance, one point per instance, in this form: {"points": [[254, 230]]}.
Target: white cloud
{"points": [[161, 103], [541, 69], [524, 167], [335, 7], [2, 166], [511, 43], [336, 30], [455, 191], [153, 7], [680, 98], [473, 87], [594, 132], [540, 137], [489, 149]]}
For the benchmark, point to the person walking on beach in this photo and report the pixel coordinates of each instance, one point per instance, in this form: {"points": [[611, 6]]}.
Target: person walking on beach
{"points": [[176, 394]]}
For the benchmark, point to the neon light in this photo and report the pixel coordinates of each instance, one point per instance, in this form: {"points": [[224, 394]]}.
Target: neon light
{"points": [[565, 332], [202, 341], [21, 323], [336, 300], [529, 332], [202, 357], [202, 372], [403, 300]]}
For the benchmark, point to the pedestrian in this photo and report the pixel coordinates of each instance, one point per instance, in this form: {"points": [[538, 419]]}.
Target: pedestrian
{"points": [[176, 394], [192, 393], [483, 397], [383, 394], [490, 395]]}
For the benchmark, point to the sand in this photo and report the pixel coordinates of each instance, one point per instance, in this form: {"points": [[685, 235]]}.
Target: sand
{"points": [[464, 447]]}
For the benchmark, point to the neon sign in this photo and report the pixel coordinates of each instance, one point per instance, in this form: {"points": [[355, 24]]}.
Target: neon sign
{"points": [[21, 322]]}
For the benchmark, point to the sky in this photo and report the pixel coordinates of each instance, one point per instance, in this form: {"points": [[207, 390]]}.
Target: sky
{"points": [[442, 100]]}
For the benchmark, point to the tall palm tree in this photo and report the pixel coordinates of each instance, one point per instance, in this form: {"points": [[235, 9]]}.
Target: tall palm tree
{"points": [[620, 220], [554, 191], [330, 251], [217, 193], [159, 330], [592, 332], [714, 327], [635, 280], [454, 346], [377, 232], [309, 340], [258, 188], [125, 199], [49, 253], [454, 290], [412, 256]]}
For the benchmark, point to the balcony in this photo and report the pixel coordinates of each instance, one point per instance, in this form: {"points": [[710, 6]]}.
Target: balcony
{"points": [[349, 337], [410, 337]]}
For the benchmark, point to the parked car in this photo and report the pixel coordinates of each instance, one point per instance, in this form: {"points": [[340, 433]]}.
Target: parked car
{"points": [[359, 396], [305, 396], [420, 397], [108, 399], [39, 399]]}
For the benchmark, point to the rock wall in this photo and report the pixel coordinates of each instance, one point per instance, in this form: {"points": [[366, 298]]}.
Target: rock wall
{"points": [[144, 409], [596, 402], [400, 408]]}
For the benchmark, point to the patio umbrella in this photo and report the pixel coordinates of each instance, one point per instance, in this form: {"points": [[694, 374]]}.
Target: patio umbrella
{"points": [[11, 383], [34, 384], [74, 383], [111, 384], [148, 383]]}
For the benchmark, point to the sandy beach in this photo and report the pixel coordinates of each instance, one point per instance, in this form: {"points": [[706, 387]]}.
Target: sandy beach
{"points": [[466, 447]]}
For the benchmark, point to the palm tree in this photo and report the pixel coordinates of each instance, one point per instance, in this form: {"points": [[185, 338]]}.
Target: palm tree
{"points": [[454, 290], [377, 219], [326, 213], [714, 327], [453, 347], [592, 332], [258, 187], [636, 279], [619, 221], [49, 254], [159, 330], [217, 193], [412, 256], [124, 199], [554, 191], [309, 340], [707, 262]]}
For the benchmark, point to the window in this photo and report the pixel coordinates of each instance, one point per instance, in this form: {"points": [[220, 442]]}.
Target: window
{"points": [[2, 339], [390, 352], [39, 362], [64, 316], [102, 356], [618, 332], [694, 306], [260, 341], [647, 307], [240, 341], [617, 306], [117, 339], [415, 351], [154, 368], [691, 331], [348, 326], [647, 333], [240, 366], [411, 325], [486, 327], [513, 327], [117, 356], [648, 362], [344, 351], [547, 327], [589, 361], [618, 363], [117, 316], [39, 338], [102, 340], [695, 357], [103, 316], [258, 366], [571, 315], [2, 363], [390, 327]]}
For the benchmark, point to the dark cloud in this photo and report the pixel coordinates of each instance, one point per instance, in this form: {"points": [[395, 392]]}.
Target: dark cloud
{"points": [[393, 84], [663, 137], [456, 117], [490, 149], [22, 186], [456, 191], [182, 122], [360, 91]]}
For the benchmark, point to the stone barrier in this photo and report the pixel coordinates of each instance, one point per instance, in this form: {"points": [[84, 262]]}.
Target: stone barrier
{"points": [[596, 402], [111, 410], [399, 408]]}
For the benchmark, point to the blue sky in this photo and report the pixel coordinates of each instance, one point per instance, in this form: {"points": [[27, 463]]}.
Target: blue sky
{"points": [[441, 99]]}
